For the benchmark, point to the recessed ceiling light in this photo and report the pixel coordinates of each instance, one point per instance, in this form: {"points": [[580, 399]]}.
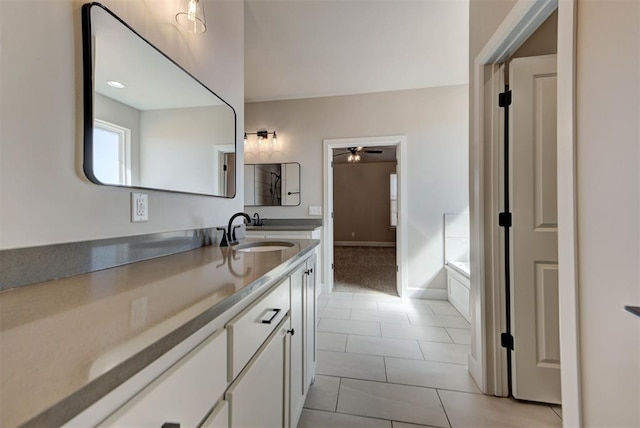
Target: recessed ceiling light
{"points": [[115, 84]]}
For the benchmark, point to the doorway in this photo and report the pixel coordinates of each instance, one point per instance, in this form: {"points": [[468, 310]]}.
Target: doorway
{"points": [[365, 219], [488, 361], [372, 143]]}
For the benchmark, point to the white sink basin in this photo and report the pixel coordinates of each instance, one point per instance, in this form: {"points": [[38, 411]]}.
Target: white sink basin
{"points": [[254, 247]]}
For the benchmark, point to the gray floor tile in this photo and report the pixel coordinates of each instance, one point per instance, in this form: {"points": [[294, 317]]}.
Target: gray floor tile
{"points": [[475, 410], [396, 424], [416, 332], [355, 366], [384, 346], [321, 419], [352, 304], [393, 402], [430, 374], [447, 309], [335, 313], [445, 352], [323, 394], [437, 320], [332, 341], [349, 327], [379, 316], [337, 295], [404, 306], [460, 335]]}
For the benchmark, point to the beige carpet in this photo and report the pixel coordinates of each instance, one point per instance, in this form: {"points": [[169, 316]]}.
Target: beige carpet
{"points": [[365, 269]]}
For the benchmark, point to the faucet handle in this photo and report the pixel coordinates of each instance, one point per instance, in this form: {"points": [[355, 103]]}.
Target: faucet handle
{"points": [[225, 241], [233, 233]]}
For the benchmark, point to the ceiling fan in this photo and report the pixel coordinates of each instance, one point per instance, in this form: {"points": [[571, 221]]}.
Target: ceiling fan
{"points": [[354, 153]]}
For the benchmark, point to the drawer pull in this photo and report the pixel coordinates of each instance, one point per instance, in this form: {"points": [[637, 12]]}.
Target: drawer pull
{"points": [[170, 425], [275, 314], [291, 331]]}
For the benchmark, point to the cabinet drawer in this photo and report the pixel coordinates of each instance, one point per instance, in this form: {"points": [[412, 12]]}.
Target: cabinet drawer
{"points": [[219, 417], [184, 393], [251, 327]]}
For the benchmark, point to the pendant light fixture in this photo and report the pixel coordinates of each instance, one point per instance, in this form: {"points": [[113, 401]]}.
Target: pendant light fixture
{"points": [[190, 16]]}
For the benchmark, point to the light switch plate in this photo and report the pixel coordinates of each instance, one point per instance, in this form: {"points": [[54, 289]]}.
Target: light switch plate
{"points": [[139, 207], [315, 210]]}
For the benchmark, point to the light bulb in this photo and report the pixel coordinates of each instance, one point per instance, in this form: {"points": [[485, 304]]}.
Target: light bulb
{"points": [[245, 138], [260, 139], [274, 140], [357, 158], [190, 16], [350, 158]]}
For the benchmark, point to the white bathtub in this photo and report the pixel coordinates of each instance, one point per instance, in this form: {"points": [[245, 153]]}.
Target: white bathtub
{"points": [[458, 283]]}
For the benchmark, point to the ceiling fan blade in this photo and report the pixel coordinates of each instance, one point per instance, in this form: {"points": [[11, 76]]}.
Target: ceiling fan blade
{"points": [[373, 151], [340, 154]]}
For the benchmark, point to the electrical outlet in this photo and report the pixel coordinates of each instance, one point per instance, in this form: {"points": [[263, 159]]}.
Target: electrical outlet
{"points": [[138, 316], [315, 210], [139, 207]]}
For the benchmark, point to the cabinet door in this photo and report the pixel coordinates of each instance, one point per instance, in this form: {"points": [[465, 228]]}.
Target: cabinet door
{"points": [[298, 389], [183, 394], [310, 322], [259, 397]]}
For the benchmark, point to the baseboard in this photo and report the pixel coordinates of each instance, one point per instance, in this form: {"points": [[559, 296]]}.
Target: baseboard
{"points": [[363, 244], [421, 293], [476, 372]]}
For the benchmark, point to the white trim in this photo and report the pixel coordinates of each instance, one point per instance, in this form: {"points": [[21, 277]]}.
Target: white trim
{"points": [[363, 244], [400, 142], [567, 218]]}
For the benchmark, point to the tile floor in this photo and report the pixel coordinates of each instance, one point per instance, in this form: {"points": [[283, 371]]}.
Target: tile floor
{"points": [[392, 363]]}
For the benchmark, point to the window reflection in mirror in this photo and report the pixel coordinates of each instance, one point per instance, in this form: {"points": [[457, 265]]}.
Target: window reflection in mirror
{"points": [[272, 184], [149, 123]]}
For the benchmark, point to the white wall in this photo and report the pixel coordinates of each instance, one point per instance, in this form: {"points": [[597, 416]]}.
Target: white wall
{"points": [[435, 122], [178, 148], [608, 162], [44, 196]]}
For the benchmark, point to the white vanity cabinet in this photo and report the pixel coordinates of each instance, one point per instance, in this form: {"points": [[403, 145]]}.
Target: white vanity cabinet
{"points": [[303, 343], [259, 395], [249, 367], [184, 394]]}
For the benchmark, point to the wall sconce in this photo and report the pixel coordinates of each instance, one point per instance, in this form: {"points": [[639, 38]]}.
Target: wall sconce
{"points": [[262, 135], [190, 16]]}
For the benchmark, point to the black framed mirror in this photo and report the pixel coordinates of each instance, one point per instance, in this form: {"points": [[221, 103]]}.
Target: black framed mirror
{"points": [[272, 184], [148, 123]]}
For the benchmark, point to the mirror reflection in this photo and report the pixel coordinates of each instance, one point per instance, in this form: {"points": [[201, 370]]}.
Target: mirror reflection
{"points": [[149, 123], [272, 184]]}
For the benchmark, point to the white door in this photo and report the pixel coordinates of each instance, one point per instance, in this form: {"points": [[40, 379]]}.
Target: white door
{"points": [[534, 242]]}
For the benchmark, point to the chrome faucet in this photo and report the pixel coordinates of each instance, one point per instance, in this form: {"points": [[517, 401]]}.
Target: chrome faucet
{"points": [[230, 237]]}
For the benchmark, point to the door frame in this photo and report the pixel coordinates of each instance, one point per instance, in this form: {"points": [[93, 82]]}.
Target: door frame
{"points": [[487, 363], [400, 141]]}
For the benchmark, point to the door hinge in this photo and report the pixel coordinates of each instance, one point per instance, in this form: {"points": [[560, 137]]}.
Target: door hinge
{"points": [[224, 167], [331, 214], [506, 341], [504, 99], [505, 219], [331, 266], [397, 268]]}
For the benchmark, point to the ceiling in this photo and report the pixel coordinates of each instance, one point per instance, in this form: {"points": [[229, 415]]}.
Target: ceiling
{"points": [[315, 48]]}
